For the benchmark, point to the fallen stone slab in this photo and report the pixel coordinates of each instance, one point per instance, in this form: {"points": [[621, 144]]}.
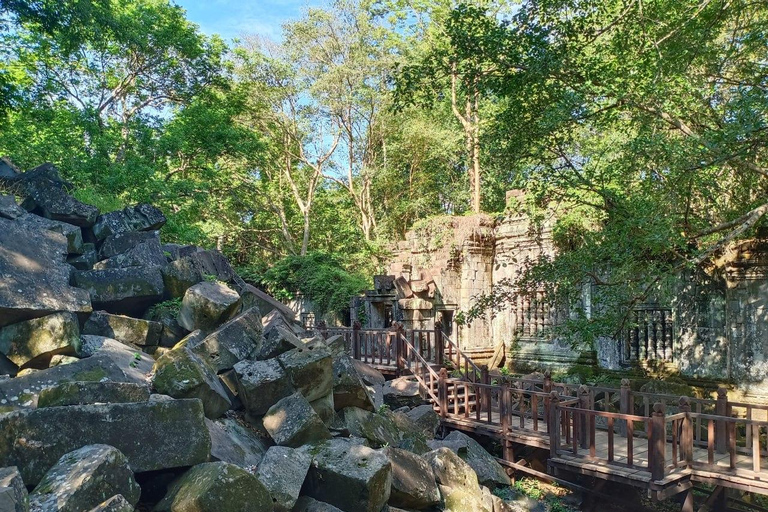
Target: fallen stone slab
{"points": [[377, 428], [260, 384], [265, 302], [81, 478], [282, 471], [9, 209], [123, 328], [310, 369], [83, 393], [216, 486], [13, 492], [142, 217], [33, 342], [413, 481], [181, 374], [277, 342], [122, 290], [124, 242], [207, 305], [403, 392], [307, 504], [426, 419], [73, 234], [236, 443], [35, 439], [349, 390], [86, 260], [231, 343], [178, 251], [369, 374], [451, 471], [39, 286], [460, 498], [187, 271], [292, 422], [489, 472], [116, 503], [52, 202], [350, 476], [324, 407], [145, 254]]}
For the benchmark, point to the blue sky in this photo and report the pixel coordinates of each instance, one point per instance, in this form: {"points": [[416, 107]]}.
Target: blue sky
{"points": [[233, 18]]}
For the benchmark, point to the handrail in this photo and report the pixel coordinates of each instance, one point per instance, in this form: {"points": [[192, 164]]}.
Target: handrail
{"points": [[425, 365], [467, 360]]}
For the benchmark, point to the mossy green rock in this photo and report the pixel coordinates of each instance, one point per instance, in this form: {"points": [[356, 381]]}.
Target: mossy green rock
{"points": [[122, 290], [35, 341], [123, 328], [84, 478], [282, 472], [231, 343], [207, 305], [116, 503], [489, 472], [90, 392], [350, 476], [377, 428], [181, 374], [310, 369], [413, 481], [457, 499], [216, 487], [451, 471], [293, 422], [260, 384], [152, 435]]}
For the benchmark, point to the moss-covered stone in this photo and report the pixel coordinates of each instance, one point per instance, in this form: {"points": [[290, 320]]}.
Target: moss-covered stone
{"points": [[260, 384], [207, 305], [282, 472], [413, 481], [123, 328], [116, 503], [90, 392], [35, 341], [231, 343], [293, 422], [377, 428], [311, 370]]}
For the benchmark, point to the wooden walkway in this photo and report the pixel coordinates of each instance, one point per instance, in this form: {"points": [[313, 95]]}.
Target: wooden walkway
{"points": [[659, 443]]}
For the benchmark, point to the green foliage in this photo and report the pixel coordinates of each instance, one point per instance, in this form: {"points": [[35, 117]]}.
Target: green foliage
{"points": [[319, 277], [167, 308]]}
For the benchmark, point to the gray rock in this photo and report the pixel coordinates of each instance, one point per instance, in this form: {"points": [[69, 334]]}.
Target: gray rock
{"points": [[369, 374], [282, 471], [310, 369], [426, 419], [413, 481], [403, 392], [9, 209], [54, 203], [82, 393], [207, 305], [152, 435], [113, 361], [349, 476], [62, 359], [73, 234], [142, 217], [260, 384], [123, 328], [293, 422], [379, 429], [235, 443], [349, 390], [34, 342], [80, 480], [231, 343], [187, 271], [266, 303], [277, 342], [307, 504], [178, 251], [489, 472], [324, 407], [451, 471], [181, 374], [116, 503], [122, 290], [145, 254], [41, 285], [84, 261], [13, 492], [216, 486], [124, 242]]}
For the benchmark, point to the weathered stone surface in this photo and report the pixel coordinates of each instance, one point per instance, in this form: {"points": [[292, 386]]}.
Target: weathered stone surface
{"points": [[350, 476], [293, 422], [116, 503], [310, 369], [177, 251], [90, 392], [307, 504], [489, 472], [13, 492], [124, 242], [207, 305], [54, 203], [260, 384], [84, 261], [451, 471], [122, 290], [123, 328], [80, 480], [277, 341], [413, 481], [113, 361], [349, 390], [34, 278], [187, 271], [181, 374], [457, 499], [282, 471], [142, 217], [235, 443], [73, 234], [144, 254], [426, 419], [62, 359], [34, 439], [231, 343], [324, 407], [9, 209], [216, 487], [265, 302], [403, 392], [369, 374], [34, 342], [379, 429]]}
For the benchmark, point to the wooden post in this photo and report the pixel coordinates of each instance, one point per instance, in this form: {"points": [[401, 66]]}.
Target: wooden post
{"points": [[356, 340], [442, 392], [553, 423], [626, 404], [686, 432], [657, 442], [484, 394], [584, 419], [439, 347], [547, 381], [506, 407], [721, 427], [323, 328]]}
